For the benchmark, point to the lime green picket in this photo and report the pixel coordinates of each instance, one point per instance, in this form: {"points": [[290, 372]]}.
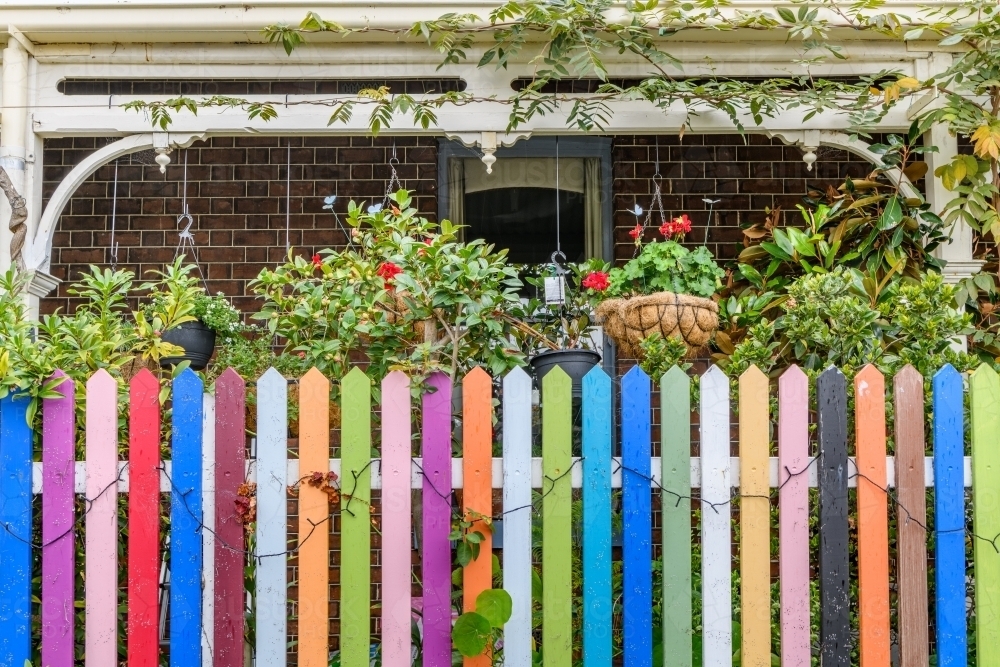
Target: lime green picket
{"points": [[557, 606], [984, 388], [675, 453], [355, 546]]}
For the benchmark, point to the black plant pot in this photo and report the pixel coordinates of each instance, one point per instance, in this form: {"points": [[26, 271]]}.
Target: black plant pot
{"points": [[197, 340], [575, 363]]}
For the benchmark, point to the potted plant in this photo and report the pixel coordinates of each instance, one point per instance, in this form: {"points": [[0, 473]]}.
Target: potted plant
{"points": [[564, 326], [194, 318], [665, 289]]}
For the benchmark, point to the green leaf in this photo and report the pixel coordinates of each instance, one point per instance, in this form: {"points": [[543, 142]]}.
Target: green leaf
{"points": [[470, 634], [892, 215], [495, 605], [463, 553]]}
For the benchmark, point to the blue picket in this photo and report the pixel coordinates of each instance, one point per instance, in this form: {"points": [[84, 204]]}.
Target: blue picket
{"points": [[185, 521], [637, 524], [596, 519], [15, 536], [949, 512]]}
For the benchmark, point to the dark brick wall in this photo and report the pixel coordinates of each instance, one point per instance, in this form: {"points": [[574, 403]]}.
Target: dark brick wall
{"points": [[746, 173], [236, 194]]}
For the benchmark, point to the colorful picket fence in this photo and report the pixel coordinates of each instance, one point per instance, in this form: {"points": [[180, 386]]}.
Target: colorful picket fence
{"points": [[207, 549]]}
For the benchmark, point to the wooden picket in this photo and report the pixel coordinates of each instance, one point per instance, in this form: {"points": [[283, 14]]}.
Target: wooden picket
{"points": [[396, 521], [793, 515], [204, 593], [873, 526], [143, 520], [101, 573], [637, 529], [949, 512], [58, 571], [675, 499], [596, 450], [755, 520]]}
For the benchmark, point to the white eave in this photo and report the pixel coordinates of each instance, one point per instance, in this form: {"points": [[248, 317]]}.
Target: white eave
{"points": [[150, 21]]}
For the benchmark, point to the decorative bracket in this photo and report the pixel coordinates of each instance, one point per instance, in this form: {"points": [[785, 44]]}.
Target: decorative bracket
{"points": [[807, 140], [164, 143], [488, 142]]}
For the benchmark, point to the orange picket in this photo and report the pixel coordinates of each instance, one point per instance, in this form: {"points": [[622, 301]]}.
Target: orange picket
{"points": [[477, 494], [314, 527], [873, 526]]}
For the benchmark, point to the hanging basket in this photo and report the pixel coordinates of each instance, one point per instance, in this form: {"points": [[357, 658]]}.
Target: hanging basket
{"points": [[627, 321]]}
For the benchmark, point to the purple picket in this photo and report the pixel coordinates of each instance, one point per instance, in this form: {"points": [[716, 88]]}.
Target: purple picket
{"points": [[435, 547], [58, 568]]}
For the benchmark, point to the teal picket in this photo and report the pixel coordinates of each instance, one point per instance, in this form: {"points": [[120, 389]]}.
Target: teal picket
{"points": [[597, 607]]}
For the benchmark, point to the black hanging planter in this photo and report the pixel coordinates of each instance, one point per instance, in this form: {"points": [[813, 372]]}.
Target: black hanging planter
{"points": [[575, 363], [197, 340]]}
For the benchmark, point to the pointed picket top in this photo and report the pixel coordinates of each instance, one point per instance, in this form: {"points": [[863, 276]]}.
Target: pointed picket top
{"points": [[982, 376], [271, 377], [715, 374], [187, 378], [793, 373], [869, 377], [395, 380], [598, 379], [145, 380], [676, 374], [477, 374], [355, 379], [517, 380], [101, 380], [633, 374], [945, 373], [559, 378], [754, 375], [230, 375], [908, 372]]}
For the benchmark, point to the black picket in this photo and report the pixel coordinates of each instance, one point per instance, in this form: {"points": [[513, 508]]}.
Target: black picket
{"points": [[835, 624]]}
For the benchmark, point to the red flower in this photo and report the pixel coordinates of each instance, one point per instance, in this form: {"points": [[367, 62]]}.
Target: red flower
{"points": [[596, 280], [317, 261], [388, 271], [676, 227], [636, 233]]}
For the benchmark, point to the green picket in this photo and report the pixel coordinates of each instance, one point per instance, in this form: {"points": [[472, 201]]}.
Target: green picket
{"points": [[355, 546], [984, 389], [675, 461], [557, 604]]}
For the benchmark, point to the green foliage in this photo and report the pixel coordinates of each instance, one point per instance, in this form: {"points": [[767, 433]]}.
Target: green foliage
{"points": [[667, 266], [100, 334], [661, 354], [829, 319], [406, 294]]}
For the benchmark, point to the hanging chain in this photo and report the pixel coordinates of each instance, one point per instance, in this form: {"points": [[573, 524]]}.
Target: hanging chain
{"points": [[394, 184], [114, 211], [185, 239], [655, 205], [288, 199]]}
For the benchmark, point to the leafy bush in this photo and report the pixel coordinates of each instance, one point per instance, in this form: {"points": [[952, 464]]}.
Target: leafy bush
{"points": [[405, 294], [829, 318]]}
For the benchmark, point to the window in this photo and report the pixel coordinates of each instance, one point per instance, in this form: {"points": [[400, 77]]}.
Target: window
{"points": [[515, 207]]}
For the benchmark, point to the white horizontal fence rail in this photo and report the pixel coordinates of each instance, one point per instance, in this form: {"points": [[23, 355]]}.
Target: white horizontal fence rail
{"points": [[576, 476]]}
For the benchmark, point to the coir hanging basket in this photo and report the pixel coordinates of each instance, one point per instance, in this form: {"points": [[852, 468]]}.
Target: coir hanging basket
{"points": [[627, 321]]}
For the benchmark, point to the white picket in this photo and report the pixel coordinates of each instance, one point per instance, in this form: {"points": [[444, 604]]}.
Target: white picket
{"points": [[272, 518], [208, 532], [517, 514], [716, 550]]}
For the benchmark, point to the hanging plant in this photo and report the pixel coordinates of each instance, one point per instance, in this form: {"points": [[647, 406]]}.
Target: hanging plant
{"points": [[664, 290]]}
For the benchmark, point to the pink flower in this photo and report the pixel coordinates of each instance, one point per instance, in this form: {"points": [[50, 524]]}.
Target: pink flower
{"points": [[596, 280]]}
